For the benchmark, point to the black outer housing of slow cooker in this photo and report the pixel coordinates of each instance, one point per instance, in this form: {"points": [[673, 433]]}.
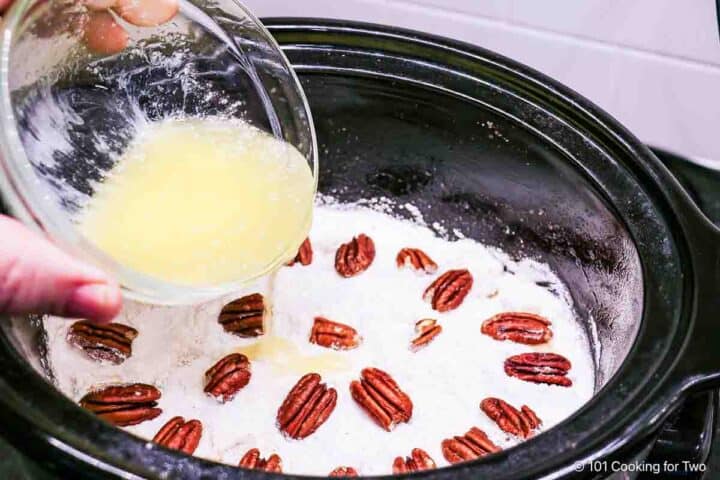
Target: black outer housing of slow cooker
{"points": [[675, 352]]}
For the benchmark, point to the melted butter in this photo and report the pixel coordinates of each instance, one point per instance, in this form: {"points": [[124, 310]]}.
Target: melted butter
{"points": [[202, 201], [286, 358]]}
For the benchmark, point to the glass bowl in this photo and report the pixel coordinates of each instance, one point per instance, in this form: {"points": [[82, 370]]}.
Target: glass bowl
{"points": [[67, 112]]}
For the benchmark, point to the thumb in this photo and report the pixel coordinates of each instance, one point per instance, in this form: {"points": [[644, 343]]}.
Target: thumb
{"points": [[38, 277]]}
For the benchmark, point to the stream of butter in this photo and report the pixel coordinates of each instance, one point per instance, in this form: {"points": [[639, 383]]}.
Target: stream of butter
{"points": [[285, 357], [202, 201]]}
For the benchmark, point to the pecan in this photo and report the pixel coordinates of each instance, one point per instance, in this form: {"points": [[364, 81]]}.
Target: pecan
{"points": [[518, 327], [355, 257], [245, 316], [379, 395], [417, 461], [124, 405], [449, 290], [521, 423], [427, 329], [227, 377], [549, 368], [338, 336], [111, 342], [304, 255], [306, 407], [474, 444], [177, 434], [252, 460], [343, 472], [416, 259]]}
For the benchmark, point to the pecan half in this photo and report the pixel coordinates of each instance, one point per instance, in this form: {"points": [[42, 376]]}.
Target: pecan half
{"points": [[111, 342], [518, 327], [124, 405], [549, 368], [253, 460], [380, 396], [416, 259], [227, 377], [474, 444], [521, 423], [427, 329], [177, 434], [245, 316], [304, 255], [418, 460], [338, 336], [449, 290], [343, 472], [307, 406], [355, 257]]}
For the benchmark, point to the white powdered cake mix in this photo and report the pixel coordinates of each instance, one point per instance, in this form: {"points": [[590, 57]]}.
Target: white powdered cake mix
{"points": [[445, 380]]}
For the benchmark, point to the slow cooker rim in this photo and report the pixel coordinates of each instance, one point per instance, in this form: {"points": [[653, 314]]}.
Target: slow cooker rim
{"points": [[53, 431], [676, 200]]}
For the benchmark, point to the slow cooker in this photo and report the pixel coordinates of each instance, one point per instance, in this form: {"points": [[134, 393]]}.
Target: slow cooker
{"points": [[481, 143]]}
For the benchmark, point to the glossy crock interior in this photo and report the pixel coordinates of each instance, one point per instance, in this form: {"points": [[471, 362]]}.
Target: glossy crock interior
{"points": [[406, 116]]}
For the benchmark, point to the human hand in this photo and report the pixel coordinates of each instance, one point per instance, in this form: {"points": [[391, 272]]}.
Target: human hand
{"points": [[35, 275], [38, 277], [101, 32]]}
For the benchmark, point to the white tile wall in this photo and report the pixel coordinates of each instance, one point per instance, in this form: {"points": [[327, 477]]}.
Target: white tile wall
{"points": [[685, 29], [653, 64]]}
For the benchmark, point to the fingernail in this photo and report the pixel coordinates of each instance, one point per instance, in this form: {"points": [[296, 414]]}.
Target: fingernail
{"points": [[95, 301]]}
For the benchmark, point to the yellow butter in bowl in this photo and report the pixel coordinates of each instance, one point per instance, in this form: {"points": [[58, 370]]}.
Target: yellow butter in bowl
{"points": [[202, 201]]}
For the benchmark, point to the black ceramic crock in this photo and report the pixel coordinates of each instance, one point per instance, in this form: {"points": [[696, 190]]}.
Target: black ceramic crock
{"points": [[510, 157]]}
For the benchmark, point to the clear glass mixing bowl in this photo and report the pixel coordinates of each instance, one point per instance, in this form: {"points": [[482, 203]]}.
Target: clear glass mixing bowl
{"points": [[67, 112]]}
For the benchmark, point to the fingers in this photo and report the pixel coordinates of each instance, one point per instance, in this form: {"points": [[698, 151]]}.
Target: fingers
{"points": [[147, 13], [37, 277], [4, 5], [100, 4], [105, 36]]}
